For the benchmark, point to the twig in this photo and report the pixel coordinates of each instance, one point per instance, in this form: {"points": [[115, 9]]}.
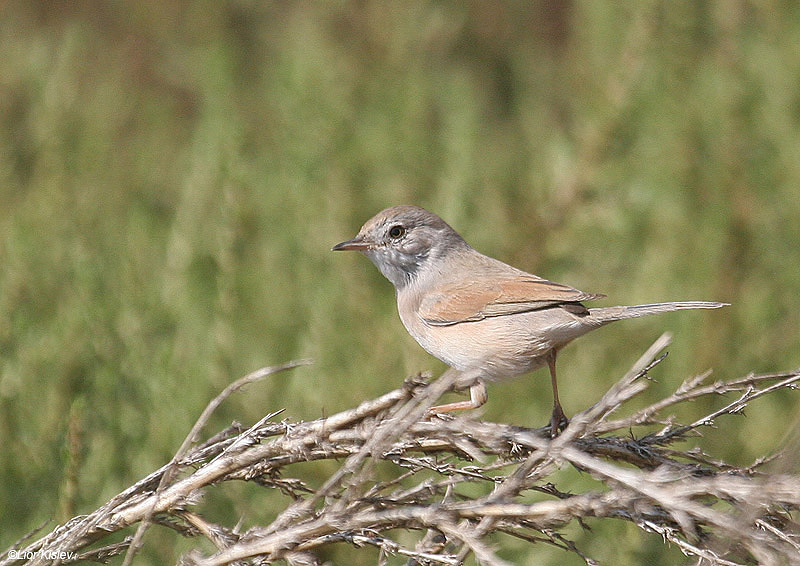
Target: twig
{"points": [[192, 437]]}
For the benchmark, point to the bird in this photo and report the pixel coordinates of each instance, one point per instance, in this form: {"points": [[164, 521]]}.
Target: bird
{"points": [[480, 316]]}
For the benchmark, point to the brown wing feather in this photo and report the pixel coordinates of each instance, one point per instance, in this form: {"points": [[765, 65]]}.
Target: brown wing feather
{"points": [[475, 300]]}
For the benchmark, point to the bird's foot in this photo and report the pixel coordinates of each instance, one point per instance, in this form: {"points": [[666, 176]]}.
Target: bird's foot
{"points": [[558, 421]]}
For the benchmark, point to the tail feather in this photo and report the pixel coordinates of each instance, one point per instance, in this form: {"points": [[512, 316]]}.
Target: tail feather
{"points": [[610, 314]]}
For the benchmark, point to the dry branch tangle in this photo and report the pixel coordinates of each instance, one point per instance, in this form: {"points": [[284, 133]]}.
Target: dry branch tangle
{"points": [[715, 511]]}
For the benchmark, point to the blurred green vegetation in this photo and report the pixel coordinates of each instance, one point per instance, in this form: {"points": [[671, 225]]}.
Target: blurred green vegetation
{"points": [[172, 176]]}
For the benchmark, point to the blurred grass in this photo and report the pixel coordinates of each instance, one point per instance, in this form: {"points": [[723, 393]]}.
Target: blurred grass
{"points": [[172, 177]]}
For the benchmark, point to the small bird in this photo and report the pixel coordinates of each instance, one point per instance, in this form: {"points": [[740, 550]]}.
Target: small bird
{"points": [[478, 315]]}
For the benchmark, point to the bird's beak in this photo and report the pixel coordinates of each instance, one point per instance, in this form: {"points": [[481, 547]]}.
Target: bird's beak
{"points": [[356, 244]]}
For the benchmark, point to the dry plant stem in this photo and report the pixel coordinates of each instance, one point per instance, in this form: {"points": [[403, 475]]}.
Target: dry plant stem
{"points": [[137, 503], [693, 388], [83, 530], [193, 436], [397, 421], [714, 511], [546, 456], [215, 470]]}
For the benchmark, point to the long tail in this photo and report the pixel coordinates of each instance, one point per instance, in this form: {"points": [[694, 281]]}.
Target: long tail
{"points": [[610, 314]]}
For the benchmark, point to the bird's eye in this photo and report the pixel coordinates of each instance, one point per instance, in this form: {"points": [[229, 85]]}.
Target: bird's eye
{"points": [[396, 232]]}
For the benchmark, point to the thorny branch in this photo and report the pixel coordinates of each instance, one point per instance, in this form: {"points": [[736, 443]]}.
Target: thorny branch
{"points": [[716, 512]]}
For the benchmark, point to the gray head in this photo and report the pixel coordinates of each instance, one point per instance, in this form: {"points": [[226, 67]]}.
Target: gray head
{"points": [[402, 239]]}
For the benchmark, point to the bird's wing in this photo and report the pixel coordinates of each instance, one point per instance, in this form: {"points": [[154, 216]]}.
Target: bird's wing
{"points": [[476, 300]]}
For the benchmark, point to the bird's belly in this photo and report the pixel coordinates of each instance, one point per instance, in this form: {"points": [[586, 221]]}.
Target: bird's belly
{"points": [[500, 347]]}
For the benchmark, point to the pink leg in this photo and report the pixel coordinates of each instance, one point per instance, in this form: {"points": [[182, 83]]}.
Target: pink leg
{"points": [[477, 397]]}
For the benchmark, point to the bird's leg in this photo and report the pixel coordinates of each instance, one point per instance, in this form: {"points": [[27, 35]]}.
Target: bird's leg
{"points": [[558, 421], [477, 397]]}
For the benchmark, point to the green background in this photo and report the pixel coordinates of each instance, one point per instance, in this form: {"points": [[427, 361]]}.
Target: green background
{"points": [[173, 175]]}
